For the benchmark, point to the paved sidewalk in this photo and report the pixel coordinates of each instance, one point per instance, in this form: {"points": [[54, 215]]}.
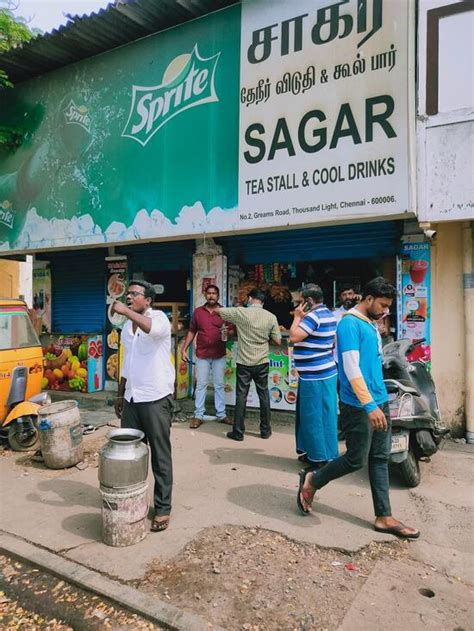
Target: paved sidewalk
{"points": [[217, 482], [253, 483]]}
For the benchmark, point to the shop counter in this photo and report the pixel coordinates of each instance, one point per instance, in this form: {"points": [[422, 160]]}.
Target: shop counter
{"points": [[75, 363], [282, 377]]}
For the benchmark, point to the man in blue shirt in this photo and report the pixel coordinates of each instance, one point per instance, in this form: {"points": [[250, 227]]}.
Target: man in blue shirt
{"points": [[364, 409]]}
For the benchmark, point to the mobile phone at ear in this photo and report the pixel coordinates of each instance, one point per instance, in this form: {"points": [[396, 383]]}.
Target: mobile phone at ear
{"points": [[307, 307]]}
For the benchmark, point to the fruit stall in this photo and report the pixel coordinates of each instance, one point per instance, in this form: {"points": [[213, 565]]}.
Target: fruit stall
{"points": [[73, 363]]}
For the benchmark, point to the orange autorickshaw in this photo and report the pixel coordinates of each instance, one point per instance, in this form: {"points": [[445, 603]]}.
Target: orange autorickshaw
{"points": [[21, 372]]}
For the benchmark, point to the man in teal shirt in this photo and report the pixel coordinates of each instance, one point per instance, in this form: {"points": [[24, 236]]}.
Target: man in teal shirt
{"points": [[364, 409]]}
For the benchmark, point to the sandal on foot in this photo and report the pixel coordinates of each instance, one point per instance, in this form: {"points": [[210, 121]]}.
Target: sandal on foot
{"points": [[226, 420], [159, 524], [397, 531], [195, 423], [303, 510]]}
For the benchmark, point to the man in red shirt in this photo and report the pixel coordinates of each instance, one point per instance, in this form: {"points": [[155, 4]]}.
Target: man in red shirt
{"points": [[210, 356]]}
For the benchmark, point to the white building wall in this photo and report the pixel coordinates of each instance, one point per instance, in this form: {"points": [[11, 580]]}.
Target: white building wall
{"points": [[445, 189], [445, 141]]}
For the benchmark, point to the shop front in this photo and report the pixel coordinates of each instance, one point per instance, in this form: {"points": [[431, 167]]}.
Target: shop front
{"points": [[168, 266], [229, 141], [73, 296], [69, 308], [281, 263]]}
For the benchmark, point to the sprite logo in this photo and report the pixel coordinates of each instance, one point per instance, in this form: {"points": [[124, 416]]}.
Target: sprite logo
{"points": [[75, 115], [6, 213], [187, 82]]}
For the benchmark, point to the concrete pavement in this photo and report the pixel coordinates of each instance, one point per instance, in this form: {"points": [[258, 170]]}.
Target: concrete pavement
{"points": [[253, 483]]}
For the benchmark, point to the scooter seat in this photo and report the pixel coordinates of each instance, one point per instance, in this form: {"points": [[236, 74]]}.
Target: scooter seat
{"points": [[393, 385]]}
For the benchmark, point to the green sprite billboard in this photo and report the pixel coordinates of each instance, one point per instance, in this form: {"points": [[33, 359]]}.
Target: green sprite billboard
{"points": [[138, 143]]}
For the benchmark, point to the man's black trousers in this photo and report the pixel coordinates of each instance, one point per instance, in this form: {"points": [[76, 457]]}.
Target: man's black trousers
{"points": [[154, 420], [245, 375]]}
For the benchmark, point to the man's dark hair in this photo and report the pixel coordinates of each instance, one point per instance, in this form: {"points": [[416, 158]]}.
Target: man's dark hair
{"points": [[314, 292], [379, 287], [258, 294], [148, 287], [215, 287], [345, 287]]}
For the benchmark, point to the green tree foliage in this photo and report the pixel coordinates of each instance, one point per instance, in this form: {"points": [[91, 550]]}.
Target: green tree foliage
{"points": [[14, 31]]}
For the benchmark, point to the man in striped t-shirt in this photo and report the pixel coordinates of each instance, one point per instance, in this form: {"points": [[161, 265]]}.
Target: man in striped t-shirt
{"points": [[313, 333]]}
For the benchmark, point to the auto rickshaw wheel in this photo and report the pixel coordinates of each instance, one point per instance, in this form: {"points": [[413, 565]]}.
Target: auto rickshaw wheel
{"points": [[24, 439]]}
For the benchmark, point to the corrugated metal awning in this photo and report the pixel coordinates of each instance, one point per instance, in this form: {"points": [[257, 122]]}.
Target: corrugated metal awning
{"points": [[88, 35]]}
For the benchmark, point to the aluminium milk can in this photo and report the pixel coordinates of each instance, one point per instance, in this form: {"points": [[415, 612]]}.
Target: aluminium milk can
{"points": [[60, 434], [123, 470]]}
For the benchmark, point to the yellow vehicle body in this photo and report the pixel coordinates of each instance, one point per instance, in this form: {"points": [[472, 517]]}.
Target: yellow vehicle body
{"points": [[27, 408], [19, 346]]}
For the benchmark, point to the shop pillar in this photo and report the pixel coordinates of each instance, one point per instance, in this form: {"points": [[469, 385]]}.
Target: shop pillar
{"points": [[448, 325], [468, 282]]}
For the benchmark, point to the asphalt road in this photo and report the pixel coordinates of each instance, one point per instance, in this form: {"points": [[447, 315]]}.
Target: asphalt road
{"points": [[32, 599]]}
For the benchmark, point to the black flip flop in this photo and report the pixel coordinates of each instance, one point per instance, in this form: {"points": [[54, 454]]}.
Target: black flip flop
{"points": [[304, 511], [397, 531], [158, 525]]}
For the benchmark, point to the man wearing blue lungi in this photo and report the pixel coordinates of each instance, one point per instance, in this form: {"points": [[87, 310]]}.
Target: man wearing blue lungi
{"points": [[313, 333]]}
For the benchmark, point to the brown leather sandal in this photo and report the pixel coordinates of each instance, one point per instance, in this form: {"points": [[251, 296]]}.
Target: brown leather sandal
{"points": [[226, 420], [160, 523], [195, 423]]}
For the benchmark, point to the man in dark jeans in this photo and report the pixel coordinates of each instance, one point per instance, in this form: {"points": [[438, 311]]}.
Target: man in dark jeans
{"points": [[364, 409], [255, 328]]}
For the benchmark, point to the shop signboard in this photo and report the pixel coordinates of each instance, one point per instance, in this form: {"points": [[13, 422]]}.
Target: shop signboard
{"points": [[135, 144], [282, 379], [326, 120], [116, 287], [414, 310]]}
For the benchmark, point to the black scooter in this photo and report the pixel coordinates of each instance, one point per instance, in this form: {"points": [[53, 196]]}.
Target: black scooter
{"points": [[417, 430]]}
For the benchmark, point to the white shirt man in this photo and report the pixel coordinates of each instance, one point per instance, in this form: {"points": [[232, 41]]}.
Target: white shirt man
{"points": [[145, 395], [147, 363]]}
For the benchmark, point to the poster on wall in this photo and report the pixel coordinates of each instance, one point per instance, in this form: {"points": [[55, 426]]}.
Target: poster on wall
{"points": [[116, 287], [183, 377], [73, 363], [42, 299], [282, 379], [415, 297], [234, 277], [325, 94], [209, 269]]}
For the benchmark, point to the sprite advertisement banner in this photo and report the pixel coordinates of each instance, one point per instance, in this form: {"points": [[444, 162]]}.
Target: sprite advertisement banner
{"points": [[138, 143]]}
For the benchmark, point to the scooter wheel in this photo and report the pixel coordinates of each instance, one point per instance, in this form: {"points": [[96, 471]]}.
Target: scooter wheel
{"points": [[23, 441], [410, 470]]}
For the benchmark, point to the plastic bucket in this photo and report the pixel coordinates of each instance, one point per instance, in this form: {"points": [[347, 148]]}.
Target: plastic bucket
{"points": [[124, 515], [60, 434]]}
